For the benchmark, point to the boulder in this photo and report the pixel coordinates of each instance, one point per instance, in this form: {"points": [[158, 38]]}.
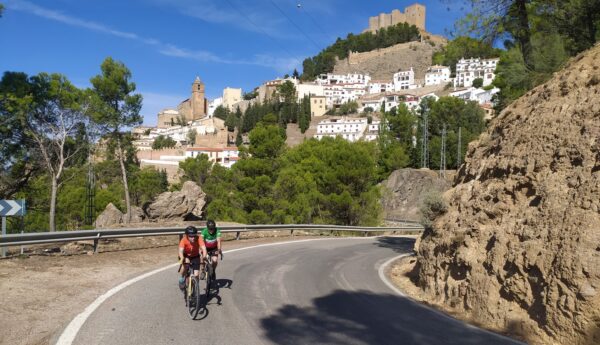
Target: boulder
{"points": [[518, 249], [185, 204], [110, 217], [137, 214]]}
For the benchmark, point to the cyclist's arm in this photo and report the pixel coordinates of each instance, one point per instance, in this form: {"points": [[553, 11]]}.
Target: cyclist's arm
{"points": [[180, 254], [219, 244], [202, 248]]}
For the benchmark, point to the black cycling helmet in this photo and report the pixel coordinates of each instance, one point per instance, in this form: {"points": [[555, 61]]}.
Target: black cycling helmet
{"points": [[210, 225], [190, 230]]}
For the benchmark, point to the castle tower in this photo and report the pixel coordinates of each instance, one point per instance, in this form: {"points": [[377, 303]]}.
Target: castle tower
{"points": [[415, 15], [198, 100]]}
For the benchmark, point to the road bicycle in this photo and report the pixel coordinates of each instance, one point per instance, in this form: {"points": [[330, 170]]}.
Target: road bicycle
{"points": [[210, 275], [192, 292]]}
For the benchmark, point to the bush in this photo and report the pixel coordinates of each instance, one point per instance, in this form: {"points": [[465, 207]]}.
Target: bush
{"points": [[432, 207], [478, 82]]}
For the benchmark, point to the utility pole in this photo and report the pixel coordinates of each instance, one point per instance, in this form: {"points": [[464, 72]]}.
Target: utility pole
{"points": [[459, 153], [425, 138], [443, 153], [90, 193]]}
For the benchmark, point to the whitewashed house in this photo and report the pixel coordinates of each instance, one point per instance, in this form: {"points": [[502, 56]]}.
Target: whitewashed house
{"points": [[404, 80], [468, 70], [437, 75], [225, 156]]}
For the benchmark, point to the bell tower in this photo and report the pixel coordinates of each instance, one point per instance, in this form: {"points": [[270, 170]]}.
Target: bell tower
{"points": [[198, 100]]}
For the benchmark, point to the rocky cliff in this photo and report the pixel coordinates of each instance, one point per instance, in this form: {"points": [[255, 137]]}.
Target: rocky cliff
{"points": [[405, 189], [519, 247]]}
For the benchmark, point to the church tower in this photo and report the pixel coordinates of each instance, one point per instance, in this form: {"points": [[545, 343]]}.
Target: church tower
{"points": [[198, 100]]}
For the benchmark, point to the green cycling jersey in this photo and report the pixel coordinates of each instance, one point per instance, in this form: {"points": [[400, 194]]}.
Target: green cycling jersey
{"points": [[210, 240]]}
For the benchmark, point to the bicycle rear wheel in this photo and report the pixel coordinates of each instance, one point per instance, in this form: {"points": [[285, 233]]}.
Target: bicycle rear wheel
{"points": [[194, 297], [209, 279]]}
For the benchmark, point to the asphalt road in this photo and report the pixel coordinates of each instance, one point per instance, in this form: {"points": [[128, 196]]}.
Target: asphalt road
{"points": [[319, 292]]}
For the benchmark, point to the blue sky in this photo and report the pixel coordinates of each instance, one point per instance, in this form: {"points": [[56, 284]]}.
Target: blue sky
{"points": [[167, 43]]}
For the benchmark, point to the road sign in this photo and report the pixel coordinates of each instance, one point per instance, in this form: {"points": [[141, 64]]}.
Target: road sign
{"points": [[12, 208]]}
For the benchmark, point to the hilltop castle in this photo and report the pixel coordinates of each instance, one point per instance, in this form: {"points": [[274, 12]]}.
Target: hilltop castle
{"points": [[413, 15]]}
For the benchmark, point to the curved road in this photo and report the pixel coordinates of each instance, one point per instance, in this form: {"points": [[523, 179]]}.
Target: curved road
{"points": [[324, 291]]}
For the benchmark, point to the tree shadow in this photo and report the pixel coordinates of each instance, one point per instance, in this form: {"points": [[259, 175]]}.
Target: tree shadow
{"points": [[398, 244], [362, 317]]}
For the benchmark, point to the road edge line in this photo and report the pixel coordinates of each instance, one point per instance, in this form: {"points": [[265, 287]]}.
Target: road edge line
{"points": [[70, 332]]}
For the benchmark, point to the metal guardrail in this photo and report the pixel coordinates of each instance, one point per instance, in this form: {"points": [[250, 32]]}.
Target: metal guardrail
{"points": [[98, 234]]}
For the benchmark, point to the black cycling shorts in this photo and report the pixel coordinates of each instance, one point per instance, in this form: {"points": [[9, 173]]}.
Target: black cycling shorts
{"points": [[195, 262]]}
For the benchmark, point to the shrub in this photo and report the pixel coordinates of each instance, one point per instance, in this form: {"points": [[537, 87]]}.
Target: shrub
{"points": [[432, 207]]}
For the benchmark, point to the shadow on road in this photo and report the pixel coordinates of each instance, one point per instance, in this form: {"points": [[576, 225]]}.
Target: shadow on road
{"points": [[398, 244], [362, 317]]}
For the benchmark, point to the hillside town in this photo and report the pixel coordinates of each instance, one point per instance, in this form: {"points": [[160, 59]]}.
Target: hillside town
{"points": [[195, 129]]}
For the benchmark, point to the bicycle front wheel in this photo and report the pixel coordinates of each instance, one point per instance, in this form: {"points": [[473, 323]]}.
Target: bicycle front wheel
{"points": [[194, 297]]}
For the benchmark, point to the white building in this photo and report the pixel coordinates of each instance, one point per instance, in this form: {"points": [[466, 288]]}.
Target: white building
{"points": [[372, 132], [309, 89], [351, 78], [225, 156], [412, 102], [380, 86], [212, 105], [404, 80], [339, 94], [468, 70], [480, 95], [347, 128], [371, 101], [437, 75]]}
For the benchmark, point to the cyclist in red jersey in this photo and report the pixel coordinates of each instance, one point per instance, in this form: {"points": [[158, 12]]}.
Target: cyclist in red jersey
{"points": [[191, 252]]}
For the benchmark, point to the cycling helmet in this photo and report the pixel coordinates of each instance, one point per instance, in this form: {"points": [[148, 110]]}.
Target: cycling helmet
{"points": [[210, 225], [190, 230]]}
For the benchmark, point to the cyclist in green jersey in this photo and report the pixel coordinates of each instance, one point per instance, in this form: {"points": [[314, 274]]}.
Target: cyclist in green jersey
{"points": [[212, 240]]}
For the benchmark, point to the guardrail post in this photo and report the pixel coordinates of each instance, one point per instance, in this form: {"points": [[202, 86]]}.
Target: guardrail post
{"points": [[292, 232], [237, 236], [365, 234], [96, 242]]}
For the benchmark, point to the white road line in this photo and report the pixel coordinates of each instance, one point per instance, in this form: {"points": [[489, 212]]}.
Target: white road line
{"points": [[68, 335], [387, 282]]}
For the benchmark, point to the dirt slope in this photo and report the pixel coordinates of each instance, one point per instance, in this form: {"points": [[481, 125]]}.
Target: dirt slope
{"points": [[390, 60], [519, 247]]}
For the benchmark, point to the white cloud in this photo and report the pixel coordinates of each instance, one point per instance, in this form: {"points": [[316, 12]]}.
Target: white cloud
{"points": [[167, 49], [246, 15]]}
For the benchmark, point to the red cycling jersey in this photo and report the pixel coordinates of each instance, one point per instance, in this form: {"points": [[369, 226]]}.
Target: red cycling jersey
{"points": [[190, 249]]}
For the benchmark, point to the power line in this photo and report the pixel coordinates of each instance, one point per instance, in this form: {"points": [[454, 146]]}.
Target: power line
{"points": [[240, 12], [303, 9], [296, 25]]}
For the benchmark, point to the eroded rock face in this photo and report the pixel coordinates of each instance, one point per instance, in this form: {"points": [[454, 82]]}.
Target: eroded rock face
{"points": [[181, 205], [519, 248], [110, 217], [405, 189]]}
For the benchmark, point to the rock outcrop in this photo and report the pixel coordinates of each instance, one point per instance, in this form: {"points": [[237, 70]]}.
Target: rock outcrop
{"points": [[519, 247], [405, 189], [110, 217], [137, 214], [186, 204]]}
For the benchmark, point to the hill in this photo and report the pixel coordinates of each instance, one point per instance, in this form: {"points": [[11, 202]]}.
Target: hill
{"points": [[381, 64]]}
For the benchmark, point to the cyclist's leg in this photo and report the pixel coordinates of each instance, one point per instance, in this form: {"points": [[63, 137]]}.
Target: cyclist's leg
{"points": [[182, 272], [195, 262]]}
